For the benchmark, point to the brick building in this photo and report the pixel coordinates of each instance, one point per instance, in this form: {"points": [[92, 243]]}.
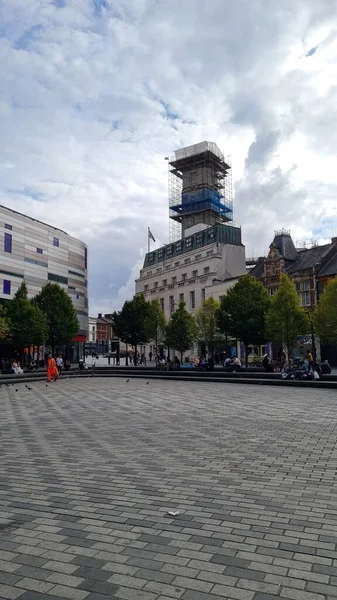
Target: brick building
{"points": [[309, 268]]}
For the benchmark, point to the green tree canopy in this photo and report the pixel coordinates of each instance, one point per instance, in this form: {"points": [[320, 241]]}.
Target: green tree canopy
{"points": [[243, 311], [325, 314], [131, 321], [4, 323], [286, 319], [61, 316], [28, 324], [180, 331], [155, 323], [207, 324]]}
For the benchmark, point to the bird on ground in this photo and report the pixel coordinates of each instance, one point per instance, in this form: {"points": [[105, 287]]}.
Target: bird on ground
{"points": [[147, 383], [127, 381], [16, 390]]}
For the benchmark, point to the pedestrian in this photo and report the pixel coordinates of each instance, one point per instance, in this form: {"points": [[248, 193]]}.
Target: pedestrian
{"points": [[150, 356], [143, 359], [59, 364], [310, 360], [52, 369], [325, 367]]}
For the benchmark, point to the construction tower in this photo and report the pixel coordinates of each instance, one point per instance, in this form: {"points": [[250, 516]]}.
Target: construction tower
{"points": [[200, 189]]}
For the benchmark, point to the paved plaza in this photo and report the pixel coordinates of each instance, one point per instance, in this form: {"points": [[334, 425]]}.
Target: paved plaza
{"points": [[167, 490]]}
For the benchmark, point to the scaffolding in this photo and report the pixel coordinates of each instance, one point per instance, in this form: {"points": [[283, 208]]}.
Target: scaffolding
{"points": [[200, 188]]}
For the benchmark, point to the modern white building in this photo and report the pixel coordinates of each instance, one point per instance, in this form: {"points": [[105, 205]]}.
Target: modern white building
{"points": [[37, 253], [209, 257]]}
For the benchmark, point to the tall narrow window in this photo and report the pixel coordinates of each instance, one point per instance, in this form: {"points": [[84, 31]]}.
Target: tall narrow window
{"points": [[162, 305], [8, 242], [6, 286], [192, 299], [85, 258], [56, 242]]}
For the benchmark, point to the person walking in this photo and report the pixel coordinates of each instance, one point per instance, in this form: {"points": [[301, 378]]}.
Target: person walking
{"points": [[59, 364], [52, 373]]}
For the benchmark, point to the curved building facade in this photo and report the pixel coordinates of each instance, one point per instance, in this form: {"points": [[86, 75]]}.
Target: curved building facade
{"points": [[37, 253]]}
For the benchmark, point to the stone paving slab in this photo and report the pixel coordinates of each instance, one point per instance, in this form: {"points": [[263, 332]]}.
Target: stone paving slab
{"points": [[91, 469]]}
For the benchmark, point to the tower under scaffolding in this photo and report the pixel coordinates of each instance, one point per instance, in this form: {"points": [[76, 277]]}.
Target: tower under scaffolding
{"points": [[200, 188]]}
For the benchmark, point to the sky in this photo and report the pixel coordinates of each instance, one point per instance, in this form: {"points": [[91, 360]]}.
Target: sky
{"points": [[96, 93]]}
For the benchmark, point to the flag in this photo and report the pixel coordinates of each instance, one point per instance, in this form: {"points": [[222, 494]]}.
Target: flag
{"points": [[151, 235]]}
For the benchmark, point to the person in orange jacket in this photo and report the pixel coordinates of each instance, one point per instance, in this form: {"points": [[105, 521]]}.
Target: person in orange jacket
{"points": [[52, 369]]}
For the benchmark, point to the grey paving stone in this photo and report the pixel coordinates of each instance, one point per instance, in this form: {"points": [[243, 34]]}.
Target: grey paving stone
{"points": [[251, 470]]}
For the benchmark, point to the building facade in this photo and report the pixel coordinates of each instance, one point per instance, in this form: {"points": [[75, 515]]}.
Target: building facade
{"points": [[209, 256], [309, 268], [38, 253]]}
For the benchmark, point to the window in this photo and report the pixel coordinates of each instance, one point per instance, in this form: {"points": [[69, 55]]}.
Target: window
{"points": [[272, 291], [184, 277], [188, 243], [303, 291], [181, 297], [146, 287], [6, 286], [35, 262], [164, 281], [8, 243], [209, 252], [173, 280], [7, 226], [187, 260], [306, 299], [206, 270], [171, 304], [192, 299], [194, 273], [85, 258], [162, 305], [155, 284], [198, 256], [272, 270], [149, 273], [56, 242], [176, 264], [220, 298], [158, 270], [39, 250], [203, 295], [57, 278]]}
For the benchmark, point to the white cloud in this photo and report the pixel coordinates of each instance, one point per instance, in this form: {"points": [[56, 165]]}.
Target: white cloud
{"points": [[96, 93]]}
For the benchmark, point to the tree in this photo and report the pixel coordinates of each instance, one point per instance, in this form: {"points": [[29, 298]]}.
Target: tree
{"points": [[286, 319], [61, 316], [28, 324], [130, 322], [180, 332], [207, 324], [243, 311], [4, 323], [155, 323], [324, 316]]}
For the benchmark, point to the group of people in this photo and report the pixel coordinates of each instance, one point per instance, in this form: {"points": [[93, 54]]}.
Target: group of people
{"points": [[56, 366]]}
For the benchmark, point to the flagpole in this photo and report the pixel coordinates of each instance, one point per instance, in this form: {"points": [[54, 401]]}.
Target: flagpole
{"points": [[148, 239]]}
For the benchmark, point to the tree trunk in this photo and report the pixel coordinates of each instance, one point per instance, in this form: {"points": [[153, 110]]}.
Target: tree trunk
{"points": [[135, 359], [126, 356]]}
